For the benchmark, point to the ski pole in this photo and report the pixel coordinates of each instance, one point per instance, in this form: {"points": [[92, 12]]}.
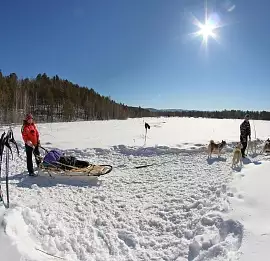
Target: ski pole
{"points": [[7, 174]]}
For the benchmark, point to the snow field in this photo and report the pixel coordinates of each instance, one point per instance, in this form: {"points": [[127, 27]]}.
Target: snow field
{"points": [[176, 209]]}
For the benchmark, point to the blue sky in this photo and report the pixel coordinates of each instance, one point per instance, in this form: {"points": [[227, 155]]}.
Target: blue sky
{"points": [[140, 53]]}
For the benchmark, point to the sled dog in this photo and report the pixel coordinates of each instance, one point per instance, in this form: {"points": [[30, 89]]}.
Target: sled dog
{"points": [[251, 146], [266, 147], [237, 155], [215, 147]]}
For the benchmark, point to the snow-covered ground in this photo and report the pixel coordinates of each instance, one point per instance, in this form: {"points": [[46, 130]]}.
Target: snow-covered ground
{"points": [[251, 207], [183, 206]]}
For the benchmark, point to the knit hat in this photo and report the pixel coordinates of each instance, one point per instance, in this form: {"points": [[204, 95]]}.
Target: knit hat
{"points": [[28, 116]]}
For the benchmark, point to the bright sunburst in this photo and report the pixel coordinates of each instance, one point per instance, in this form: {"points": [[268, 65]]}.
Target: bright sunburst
{"points": [[207, 28], [206, 31]]}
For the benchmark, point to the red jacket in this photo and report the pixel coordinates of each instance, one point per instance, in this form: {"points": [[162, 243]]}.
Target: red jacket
{"points": [[30, 132]]}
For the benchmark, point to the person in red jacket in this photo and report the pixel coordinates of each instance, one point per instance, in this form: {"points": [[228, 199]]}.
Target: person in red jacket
{"points": [[30, 136]]}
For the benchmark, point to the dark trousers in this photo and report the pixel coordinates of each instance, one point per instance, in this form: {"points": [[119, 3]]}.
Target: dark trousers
{"points": [[29, 154], [243, 141]]}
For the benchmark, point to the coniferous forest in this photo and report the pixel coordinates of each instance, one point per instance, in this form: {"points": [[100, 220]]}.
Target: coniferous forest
{"points": [[55, 99], [52, 99]]}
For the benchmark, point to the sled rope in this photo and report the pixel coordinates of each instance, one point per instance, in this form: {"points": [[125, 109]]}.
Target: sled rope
{"points": [[49, 254], [152, 164], [146, 165]]}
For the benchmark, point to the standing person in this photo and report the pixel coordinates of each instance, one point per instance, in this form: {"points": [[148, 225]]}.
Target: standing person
{"points": [[30, 136], [245, 132]]}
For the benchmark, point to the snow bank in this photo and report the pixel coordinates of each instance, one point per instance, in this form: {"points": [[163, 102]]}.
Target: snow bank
{"points": [[251, 206], [8, 249], [14, 228]]}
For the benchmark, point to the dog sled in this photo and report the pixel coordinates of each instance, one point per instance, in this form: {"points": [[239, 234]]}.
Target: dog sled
{"points": [[69, 166]]}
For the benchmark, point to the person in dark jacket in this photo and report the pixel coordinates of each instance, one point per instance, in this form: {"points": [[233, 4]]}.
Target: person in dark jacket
{"points": [[245, 133]]}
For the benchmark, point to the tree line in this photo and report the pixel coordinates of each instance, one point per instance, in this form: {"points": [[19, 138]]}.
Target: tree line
{"points": [[224, 114], [52, 99]]}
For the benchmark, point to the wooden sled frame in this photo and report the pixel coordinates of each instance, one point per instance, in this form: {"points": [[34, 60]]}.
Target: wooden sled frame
{"points": [[91, 170]]}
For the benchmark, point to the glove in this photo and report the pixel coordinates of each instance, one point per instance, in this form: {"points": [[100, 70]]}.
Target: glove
{"points": [[29, 143]]}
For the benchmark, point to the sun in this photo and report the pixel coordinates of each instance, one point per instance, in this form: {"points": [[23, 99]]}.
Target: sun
{"points": [[208, 28], [206, 31]]}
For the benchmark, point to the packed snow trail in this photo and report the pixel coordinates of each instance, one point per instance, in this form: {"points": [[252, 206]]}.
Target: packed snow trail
{"points": [[172, 210], [251, 206]]}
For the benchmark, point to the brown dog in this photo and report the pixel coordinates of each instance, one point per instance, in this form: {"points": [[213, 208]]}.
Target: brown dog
{"points": [[237, 155], [215, 147]]}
